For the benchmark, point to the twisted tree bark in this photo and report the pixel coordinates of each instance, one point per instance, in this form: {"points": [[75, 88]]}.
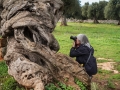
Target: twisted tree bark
{"points": [[31, 53]]}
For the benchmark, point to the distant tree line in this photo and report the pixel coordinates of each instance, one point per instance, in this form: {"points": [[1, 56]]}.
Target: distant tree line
{"points": [[101, 10]]}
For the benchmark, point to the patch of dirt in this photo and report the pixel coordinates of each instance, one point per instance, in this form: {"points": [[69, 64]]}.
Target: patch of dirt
{"points": [[107, 66], [102, 80], [104, 59]]}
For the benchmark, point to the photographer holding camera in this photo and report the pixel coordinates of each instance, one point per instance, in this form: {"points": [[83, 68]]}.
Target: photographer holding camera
{"points": [[83, 52]]}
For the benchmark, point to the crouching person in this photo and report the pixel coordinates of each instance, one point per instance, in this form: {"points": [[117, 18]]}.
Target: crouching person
{"points": [[84, 53]]}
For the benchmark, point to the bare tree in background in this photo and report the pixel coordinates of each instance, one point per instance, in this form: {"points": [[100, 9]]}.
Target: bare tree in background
{"points": [[31, 54]]}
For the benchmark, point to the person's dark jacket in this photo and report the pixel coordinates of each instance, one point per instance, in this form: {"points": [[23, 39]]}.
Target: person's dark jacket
{"points": [[82, 53]]}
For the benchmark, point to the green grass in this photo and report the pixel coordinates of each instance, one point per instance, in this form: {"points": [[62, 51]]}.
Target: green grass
{"points": [[102, 61], [103, 72], [116, 76], [7, 82], [105, 38], [117, 66], [61, 86], [110, 84], [3, 69]]}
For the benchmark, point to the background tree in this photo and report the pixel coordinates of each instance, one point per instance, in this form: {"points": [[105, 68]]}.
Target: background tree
{"points": [[71, 9], [112, 10], [84, 10], [76, 14], [93, 12], [102, 5]]}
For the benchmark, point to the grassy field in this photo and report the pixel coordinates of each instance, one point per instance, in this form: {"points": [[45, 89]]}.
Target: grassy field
{"points": [[105, 38]]}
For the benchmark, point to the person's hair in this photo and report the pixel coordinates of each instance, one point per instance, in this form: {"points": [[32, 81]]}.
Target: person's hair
{"points": [[83, 39]]}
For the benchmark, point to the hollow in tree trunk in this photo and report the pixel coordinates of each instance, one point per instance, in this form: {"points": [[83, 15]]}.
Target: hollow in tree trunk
{"points": [[31, 54]]}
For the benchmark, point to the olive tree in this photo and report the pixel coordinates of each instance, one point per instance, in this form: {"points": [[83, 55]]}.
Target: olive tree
{"points": [[85, 10], [102, 5], [71, 9], [93, 12], [112, 10], [31, 49]]}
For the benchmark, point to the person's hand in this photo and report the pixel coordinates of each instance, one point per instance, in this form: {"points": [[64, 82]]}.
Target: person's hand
{"points": [[77, 43], [73, 44]]}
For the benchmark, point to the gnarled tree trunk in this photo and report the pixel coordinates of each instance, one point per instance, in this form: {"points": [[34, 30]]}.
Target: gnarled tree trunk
{"points": [[95, 20], [118, 22], [63, 21], [31, 53]]}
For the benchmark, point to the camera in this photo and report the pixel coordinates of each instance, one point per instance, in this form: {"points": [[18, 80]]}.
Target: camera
{"points": [[73, 38]]}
